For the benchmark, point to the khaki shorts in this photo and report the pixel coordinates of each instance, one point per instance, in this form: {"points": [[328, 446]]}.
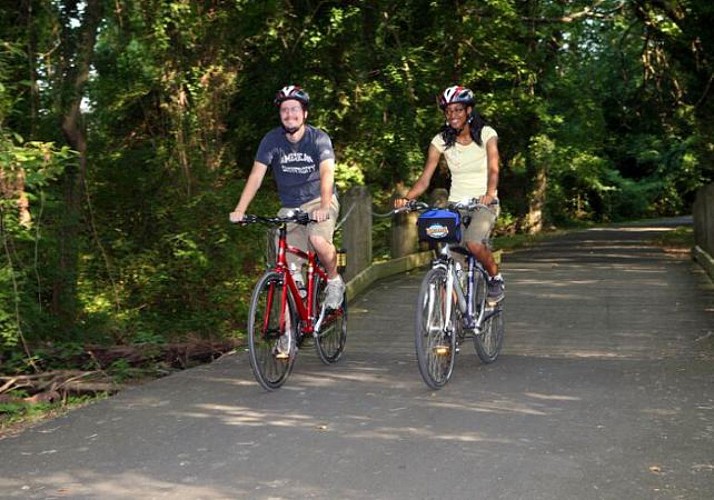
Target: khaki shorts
{"points": [[298, 234], [482, 222]]}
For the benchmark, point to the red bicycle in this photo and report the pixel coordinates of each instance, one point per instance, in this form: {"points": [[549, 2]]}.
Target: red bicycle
{"points": [[281, 317]]}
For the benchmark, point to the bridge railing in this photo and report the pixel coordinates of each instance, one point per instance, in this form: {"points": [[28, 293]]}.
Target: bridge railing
{"points": [[703, 215], [357, 221]]}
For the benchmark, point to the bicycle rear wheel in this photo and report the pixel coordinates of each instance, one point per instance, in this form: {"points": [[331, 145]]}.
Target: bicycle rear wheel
{"points": [[489, 341], [435, 338], [266, 325], [330, 340]]}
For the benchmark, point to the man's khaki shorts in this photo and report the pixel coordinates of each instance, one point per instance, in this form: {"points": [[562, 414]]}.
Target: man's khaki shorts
{"points": [[298, 234]]}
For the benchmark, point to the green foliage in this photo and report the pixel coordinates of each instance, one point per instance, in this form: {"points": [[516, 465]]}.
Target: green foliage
{"points": [[17, 410], [26, 168]]}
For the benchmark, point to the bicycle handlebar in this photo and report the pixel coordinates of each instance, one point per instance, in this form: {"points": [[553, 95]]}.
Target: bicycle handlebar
{"points": [[470, 204], [298, 216]]}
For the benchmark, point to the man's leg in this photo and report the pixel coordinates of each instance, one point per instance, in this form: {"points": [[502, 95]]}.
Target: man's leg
{"points": [[327, 253], [320, 236]]}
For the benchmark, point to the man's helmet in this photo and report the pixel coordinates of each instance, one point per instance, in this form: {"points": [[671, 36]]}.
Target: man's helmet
{"points": [[456, 94], [292, 92]]}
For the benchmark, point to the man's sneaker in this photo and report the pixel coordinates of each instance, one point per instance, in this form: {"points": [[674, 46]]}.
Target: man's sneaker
{"points": [[282, 348], [496, 290], [334, 293]]}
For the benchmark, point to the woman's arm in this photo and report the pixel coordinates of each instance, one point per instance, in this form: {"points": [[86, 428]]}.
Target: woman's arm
{"points": [[422, 184], [493, 160]]}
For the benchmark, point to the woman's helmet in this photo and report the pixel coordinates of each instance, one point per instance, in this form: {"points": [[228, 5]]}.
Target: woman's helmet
{"points": [[456, 94], [292, 92]]}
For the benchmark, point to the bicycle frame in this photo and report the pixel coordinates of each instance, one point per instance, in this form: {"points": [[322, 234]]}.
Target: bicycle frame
{"points": [[472, 320], [305, 308]]}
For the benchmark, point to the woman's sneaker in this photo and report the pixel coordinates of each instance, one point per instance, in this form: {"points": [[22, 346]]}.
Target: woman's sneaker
{"points": [[496, 290], [334, 293]]}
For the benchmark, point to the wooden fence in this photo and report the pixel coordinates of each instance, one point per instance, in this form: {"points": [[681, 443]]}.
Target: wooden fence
{"points": [[703, 213]]}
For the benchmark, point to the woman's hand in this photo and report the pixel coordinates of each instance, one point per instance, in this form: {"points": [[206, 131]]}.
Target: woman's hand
{"points": [[487, 199], [401, 202]]}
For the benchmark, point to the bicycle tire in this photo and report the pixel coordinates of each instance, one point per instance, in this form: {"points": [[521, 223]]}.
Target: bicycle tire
{"points": [[435, 339], [480, 294], [330, 340], [489, 341], [265, 329]]}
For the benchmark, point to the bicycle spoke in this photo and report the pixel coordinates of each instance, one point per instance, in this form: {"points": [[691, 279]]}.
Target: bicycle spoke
{"points": [[271, 334], [434, 336], [332, 335], [489, 341]]}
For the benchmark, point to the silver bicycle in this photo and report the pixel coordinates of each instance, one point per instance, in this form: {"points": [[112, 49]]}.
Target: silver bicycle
{"points": [[453, 306]]}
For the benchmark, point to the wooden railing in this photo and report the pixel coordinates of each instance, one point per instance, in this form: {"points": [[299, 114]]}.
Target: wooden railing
{"points": [[361, 271], [703, 214]]}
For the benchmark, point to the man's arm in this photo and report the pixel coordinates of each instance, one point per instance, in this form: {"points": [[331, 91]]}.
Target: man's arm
{"points": [[255, 179], [327, 187]]}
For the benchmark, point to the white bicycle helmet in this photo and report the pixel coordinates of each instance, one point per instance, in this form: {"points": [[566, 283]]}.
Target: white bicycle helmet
{"points": [[456, 94], [292, 92]]}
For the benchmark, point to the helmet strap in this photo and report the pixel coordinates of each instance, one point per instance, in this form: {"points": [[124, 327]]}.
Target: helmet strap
{"points": [[290, 130]]}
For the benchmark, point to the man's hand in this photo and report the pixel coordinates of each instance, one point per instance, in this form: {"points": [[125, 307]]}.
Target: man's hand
{"points": [[321, 214], [236, 216]]}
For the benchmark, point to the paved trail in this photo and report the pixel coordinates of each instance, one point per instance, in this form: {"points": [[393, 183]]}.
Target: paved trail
{"points": [[604, 391]]}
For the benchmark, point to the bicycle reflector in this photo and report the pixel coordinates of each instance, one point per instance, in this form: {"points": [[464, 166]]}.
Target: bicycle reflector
{"points": [[440, 225], [341, 260]]}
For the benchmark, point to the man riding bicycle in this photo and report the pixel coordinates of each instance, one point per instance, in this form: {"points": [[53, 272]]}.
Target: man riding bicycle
{"points": [[302, 160], [470, 148]]}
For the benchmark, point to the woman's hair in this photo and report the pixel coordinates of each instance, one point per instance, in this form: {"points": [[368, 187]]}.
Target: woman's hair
{"points": [[476, 124]]}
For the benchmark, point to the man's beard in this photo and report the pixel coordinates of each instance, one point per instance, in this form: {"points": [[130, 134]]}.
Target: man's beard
{"points": [[290, 130]]}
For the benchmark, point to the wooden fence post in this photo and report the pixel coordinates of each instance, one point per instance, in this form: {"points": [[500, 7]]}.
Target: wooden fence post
{"points": [[356, 206], [403, 237]]}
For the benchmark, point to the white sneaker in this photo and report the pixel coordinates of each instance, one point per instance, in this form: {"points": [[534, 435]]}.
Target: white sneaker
{"points": [[334, 293], [282, 348], [496, 290]]}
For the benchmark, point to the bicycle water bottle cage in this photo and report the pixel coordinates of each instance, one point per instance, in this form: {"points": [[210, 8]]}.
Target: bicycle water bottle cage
{"points": [[439, 225]]}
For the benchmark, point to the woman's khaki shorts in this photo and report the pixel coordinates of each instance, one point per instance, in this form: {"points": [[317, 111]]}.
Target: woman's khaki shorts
{"points": [[481, 226]]}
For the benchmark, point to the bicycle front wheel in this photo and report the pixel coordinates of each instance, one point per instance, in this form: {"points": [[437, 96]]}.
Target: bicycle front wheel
{"points": [[435, 337], [332, 335], [271, 332], [489, 341]]}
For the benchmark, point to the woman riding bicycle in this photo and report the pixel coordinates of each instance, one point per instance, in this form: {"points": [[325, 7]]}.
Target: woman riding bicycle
{"points": [[470, 148]]}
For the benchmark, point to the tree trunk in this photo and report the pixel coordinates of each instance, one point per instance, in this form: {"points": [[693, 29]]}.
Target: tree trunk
{"points": [[75, 66], [533, 222]]}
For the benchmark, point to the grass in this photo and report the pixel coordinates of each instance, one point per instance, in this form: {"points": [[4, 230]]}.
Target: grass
{"points": [[17, 414], [679, 239]]}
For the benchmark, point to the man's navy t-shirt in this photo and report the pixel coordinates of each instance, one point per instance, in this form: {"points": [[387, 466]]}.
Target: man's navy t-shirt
{"points": [[296, 167]]}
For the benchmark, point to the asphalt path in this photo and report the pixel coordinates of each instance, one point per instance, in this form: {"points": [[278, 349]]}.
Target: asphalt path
{"points": [[604, 390]]}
